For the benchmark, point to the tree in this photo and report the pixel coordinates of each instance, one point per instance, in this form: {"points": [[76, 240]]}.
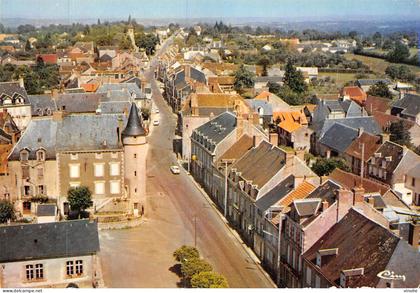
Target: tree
{"points": [[243, 79], [125, 43], [80, 198], [324, 166], [401, 72], [7, 211], [274, 87], [28, 46], [194, 266], [264, 62], [380, 89], [399, 133], [186, 253], [147, 42], [209, 280], [294, 79], [399, 53]]}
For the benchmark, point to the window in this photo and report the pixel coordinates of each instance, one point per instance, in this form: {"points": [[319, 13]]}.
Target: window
{"points": [[98, 155], [308, 276], [70, 268], [413, 182], [99, 170], [34, 272], [79, 267], [40, 155], [41, 189], [135, 173], [114, 169], [24, 155], [74, 156], [74, 170], [40, 173], [135, 156], [115, 187], [99, 187]]}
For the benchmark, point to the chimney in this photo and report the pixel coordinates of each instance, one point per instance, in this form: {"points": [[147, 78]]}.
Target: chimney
{"points": [[344, 202], [346, 274], [358, 193], [54, 93], [371, 200], [273, 138], [361, 130], [325, 205], [21, 82], [59, 115], [384, 137], [187, 69]]}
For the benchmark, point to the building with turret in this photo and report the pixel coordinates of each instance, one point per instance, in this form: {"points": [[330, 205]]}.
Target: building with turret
{"points": [[104, 152]]}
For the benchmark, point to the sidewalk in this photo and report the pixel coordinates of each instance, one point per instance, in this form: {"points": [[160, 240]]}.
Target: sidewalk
{"points": [[248, 250]]}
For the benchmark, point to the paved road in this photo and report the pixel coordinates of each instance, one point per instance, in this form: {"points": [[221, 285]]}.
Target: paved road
{"points": [[142, 257]]}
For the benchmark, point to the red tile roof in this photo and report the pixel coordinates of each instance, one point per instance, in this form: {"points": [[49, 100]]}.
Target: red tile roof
{"points": [[48, 58], [377, 104], [300, 192], [371, 144], [355, 93]]}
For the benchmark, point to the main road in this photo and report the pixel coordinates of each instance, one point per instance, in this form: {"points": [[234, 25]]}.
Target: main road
{"points": [[176, 213]]}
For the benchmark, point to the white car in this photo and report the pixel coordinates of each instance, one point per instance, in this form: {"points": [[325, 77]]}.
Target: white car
{"points": [[175, 169], [156, 123], [157, 111]]}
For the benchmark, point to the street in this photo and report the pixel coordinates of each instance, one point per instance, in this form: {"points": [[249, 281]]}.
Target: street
{"points": [[142, 257]]}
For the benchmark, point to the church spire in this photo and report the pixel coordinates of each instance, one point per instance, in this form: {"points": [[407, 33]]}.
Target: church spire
{"points": [[134, 124]]}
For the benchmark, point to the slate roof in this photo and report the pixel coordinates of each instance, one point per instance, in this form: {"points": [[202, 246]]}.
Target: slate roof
{"points": [[256, 104], [45, 210], [119, 91], [50, 240], [367, 123], [114, 107], [13, 90], [415, 171], [217, 129], [134, 125], [410, 103], [363, 82], [371, 247], [277, 193], [338, 137], [73, 103], [75, 132], [261, 163], [326, 192], [198, 75]]}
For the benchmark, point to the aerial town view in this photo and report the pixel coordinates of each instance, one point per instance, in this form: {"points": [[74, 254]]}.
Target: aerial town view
{"points": [[209, 144]]}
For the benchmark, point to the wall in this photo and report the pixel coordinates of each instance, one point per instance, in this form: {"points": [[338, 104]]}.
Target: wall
{"points": [[14, 274], [189, 124]]}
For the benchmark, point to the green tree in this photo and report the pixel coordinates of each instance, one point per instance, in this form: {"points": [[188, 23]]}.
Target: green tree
{"points": [[243, 79], [147, 42], [399, 53], [399, 133], [291, 97], [209, 280], [7, 211], [324, 166], [28, 46], [264, 62], [294, 78], [186, 253], [194, 266], [125, 43], [80, 198], [380, 89]]}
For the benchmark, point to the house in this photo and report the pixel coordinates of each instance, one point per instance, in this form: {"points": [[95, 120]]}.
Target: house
{"points": [[247, 184], [47, 259], [310, 73], [105, 153], [277, 104], [390, 163], [361, 149], [262, 82], [354, 93], [201, 107], [407, 107], [48, 59], [263, 109], [14, 99], [337, 139], [412, 182], [211, 140], [366, 84], [334, 261], [293, 130], [47, 213]]}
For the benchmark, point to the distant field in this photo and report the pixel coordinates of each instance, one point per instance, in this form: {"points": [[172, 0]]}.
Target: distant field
{"points": [[341, 78], [378, 65]]}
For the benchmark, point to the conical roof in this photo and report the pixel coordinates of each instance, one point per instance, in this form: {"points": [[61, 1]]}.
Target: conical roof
{"points": [[134, 124]]}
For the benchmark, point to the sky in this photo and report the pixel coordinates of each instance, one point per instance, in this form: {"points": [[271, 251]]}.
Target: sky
{"points": [[288, 9]]}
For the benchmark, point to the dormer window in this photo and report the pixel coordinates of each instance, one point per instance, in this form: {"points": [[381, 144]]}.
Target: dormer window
{"points": [[24, 155], [40, 155]]}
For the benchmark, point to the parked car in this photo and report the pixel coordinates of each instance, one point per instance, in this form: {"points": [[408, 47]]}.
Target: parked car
{"points": [[157, 111], [156, 123], [175, 169]]}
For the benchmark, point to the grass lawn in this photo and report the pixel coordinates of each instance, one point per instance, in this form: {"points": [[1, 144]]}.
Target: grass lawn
{"points": [[378, 65]]}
